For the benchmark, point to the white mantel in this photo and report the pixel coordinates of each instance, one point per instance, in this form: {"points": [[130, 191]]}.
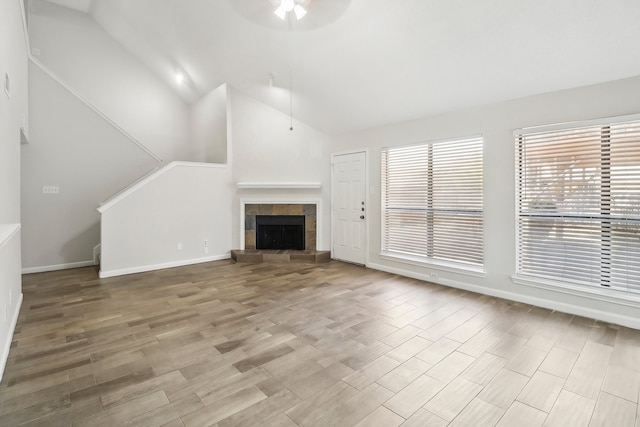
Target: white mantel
{"points": [[279, 185]]}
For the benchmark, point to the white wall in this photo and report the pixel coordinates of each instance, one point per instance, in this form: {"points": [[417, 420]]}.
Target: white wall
{"points": [[496, 123], [209, 127], [105, 74], [13, 115], [78, 150], [113, 16], [13, 108], [10, 288], [265, 150], [75, 149], [186, 203], [182, 204]]}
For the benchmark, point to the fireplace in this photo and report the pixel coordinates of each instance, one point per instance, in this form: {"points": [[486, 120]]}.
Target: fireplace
{"points": [[280, 232], [306, 211]]}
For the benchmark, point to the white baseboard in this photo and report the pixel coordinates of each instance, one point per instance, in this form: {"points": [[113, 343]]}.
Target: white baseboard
{"points": [[7, 344], [29, 270], [144, 268], [606, 316]]}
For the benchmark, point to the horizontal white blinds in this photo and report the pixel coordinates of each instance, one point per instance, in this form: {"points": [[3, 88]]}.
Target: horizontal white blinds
{"points": [[432, 201], [579, 205]]}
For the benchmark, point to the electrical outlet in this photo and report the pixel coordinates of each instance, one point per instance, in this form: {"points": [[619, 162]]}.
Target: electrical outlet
{"points": [[50, 189], [206, 243], [434, 276], [179, 246]]}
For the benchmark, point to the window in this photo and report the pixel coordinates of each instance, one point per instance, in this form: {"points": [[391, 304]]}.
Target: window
{"points": [[432, 202], [578, 197]]}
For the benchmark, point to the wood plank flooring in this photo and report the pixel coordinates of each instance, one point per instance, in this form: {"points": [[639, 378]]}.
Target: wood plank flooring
{"points": [[225, 344]]}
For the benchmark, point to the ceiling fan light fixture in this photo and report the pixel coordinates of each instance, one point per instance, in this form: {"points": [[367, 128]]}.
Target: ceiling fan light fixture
{"points": [[299, 11], [280, 12], [287, 6]]}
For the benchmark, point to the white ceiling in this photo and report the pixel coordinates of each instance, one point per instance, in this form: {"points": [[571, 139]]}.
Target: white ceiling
{"points": [[365, 63], [81, 5]]}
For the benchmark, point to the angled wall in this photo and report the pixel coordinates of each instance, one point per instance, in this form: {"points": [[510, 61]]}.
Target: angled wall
{"points": [[178, 215], [93, 103], [209, 127], [75, 149], [79, 52]]}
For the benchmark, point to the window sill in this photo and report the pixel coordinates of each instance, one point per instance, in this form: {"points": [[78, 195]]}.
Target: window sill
{"points": [[608, 295], [434, 264]]}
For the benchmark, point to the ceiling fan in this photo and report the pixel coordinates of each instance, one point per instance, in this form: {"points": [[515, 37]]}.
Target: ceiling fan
{"points": [[285, 7], [271, 13]]}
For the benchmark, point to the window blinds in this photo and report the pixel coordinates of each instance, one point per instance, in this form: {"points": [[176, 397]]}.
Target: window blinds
{"points": [[432, 201], [579, 204]]}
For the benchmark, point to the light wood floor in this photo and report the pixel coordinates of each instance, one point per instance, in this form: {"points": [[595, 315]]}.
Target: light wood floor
{"points": [[312, 345]]}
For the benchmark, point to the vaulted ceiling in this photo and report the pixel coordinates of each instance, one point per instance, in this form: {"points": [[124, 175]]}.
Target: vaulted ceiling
{"points": [[363, 63]]}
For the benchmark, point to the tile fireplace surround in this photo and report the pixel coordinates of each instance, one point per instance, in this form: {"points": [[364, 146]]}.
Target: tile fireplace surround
{"points": [[308, 210]]}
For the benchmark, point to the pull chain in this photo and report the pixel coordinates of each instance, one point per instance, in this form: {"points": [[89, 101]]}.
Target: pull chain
{"points": [[290, 72]]}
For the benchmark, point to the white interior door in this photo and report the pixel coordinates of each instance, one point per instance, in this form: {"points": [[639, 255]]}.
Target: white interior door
{"points": [[349, 209]]}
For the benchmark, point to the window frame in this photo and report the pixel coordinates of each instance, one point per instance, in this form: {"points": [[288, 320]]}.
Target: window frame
{"points": [[473, 270], [599, 293]]}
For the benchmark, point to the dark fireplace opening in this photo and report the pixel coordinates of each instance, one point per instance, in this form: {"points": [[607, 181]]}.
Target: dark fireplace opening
{"points": [[280, 232]]}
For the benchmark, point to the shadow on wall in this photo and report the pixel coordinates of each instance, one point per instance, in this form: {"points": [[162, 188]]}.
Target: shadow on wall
{"points": [[81, 244]]}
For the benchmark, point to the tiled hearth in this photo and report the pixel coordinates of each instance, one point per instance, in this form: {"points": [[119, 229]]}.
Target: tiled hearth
{"points": [[253, 255]]}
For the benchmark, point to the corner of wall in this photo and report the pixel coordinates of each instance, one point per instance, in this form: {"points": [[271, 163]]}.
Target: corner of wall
{"points": [[209, 127], [13, 119]]}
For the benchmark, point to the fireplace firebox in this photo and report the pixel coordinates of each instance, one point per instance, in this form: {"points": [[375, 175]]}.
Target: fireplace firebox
{"points": [[280, 232]]}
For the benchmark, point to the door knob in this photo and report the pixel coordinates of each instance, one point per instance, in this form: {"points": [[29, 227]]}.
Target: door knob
{"points": [[361, 216]]}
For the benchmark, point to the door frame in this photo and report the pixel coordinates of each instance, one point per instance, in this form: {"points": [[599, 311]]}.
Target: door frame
{"points": [[367, 191]]}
